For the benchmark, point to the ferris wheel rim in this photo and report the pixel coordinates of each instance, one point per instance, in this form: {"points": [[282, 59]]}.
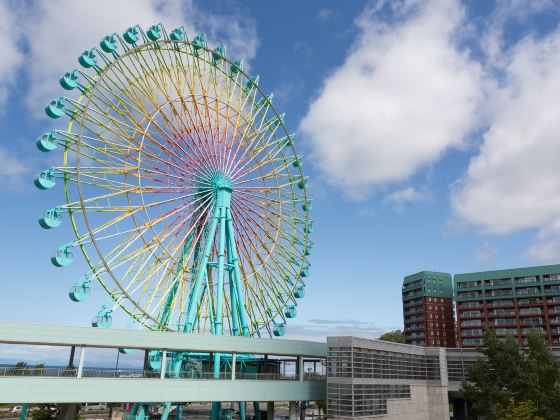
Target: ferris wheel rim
{"points": [[84, 212]]}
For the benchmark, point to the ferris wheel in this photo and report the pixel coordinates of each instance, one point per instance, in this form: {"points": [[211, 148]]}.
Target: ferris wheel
{"points": [[182, 186]]}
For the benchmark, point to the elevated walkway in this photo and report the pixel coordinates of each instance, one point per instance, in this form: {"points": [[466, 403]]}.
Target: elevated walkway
{"points": [[82, 385]]}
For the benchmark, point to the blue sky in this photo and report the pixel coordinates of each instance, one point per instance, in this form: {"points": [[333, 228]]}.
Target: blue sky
{"points": [[430, 130]]}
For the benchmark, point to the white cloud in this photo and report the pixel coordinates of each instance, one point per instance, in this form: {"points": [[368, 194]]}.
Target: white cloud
{"points": [[319, 329], [486, 252], [403, 96], [60, 30], [325, 14], [514, 181], [13, 169], [405, 196], [546, 247], [12, 57]]}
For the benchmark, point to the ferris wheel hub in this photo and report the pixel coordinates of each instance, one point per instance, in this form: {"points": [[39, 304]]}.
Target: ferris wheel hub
{"points": [[221, 185]]}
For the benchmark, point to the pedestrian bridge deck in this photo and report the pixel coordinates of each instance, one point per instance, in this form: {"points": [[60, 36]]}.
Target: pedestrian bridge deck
{"points": [[92, 385]]}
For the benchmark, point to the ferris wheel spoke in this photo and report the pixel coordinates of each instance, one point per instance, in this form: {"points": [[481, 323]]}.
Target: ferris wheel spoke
{"points": [[151, 250], [179, 130], [278, 266], [286, 250], [264, 285]]}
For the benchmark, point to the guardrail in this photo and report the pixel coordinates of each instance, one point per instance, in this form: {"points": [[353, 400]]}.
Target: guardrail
{"points": [[140, 373]]}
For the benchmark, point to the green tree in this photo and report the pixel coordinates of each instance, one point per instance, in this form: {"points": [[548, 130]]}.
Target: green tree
{"points": [[321, 406], [396, 336], [43, 415], [39, 369], [508, 372], [524, 410], [18, 369]]}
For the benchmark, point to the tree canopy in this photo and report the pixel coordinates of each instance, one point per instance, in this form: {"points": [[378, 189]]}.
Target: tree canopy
{"points": [[396, 336], [512, 381]]}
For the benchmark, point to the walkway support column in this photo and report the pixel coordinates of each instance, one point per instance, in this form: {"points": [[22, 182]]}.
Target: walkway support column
{"points": [[233, 363], [81, 361], [300, 368], [163, 364], [293, 411], [270, 410]]}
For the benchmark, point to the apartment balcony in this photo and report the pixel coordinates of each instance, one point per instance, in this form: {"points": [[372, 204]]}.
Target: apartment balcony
{"points": [[527, 279], [503, 322], [499, 292], [469, 295], [472, 341], [525, 331], [529, 301], [501, 312], [530, 311], [497, 282], [500, 303], [414, 319], [472, 333], [506, 331], [412, 303], [528, 291], [471, 314], [531, 321], [472, 323], [551, 277], [413, 311], [469, 284], [470, 305], [552, 290]]}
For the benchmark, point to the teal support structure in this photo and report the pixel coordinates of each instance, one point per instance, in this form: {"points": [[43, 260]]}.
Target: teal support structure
{"points": [[24, 410], [257, 410], [242, 405]]}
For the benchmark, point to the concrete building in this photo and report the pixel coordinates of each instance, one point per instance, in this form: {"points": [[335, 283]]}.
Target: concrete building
{"points": [[428, 309], [511, 301], [372, 378], [377, 379]]}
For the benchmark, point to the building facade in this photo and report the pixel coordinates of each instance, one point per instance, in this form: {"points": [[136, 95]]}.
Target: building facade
{"points": [[371, 378], [510, 301], [428, 309]]}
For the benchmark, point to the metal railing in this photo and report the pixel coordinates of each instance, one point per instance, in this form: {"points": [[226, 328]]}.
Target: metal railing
{"points": [[142, 374]]}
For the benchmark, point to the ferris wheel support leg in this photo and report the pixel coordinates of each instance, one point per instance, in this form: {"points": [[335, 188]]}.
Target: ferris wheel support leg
{"points": [[237, 271], [232, 293], [178, 411], [216, 410], [242, 410], [166, 410], [200, 273], [216, 406], [257, 409]]}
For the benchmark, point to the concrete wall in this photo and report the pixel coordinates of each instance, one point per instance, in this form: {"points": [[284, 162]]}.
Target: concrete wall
{"points": [[427, 402]]}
